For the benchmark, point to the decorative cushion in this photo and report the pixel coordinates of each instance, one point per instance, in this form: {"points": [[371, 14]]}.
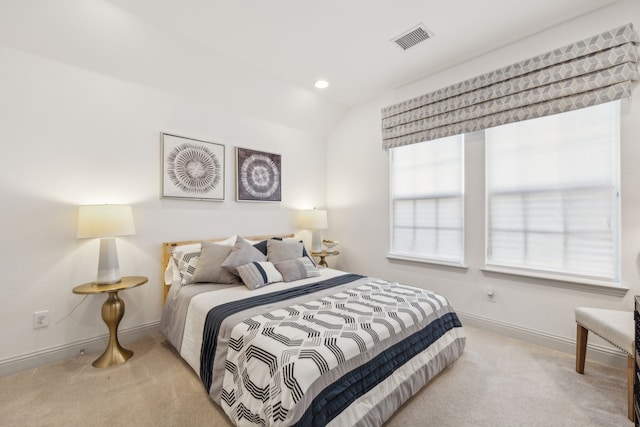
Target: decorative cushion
{"points": [[209, 266], [186, 258], [230, 241], [290, 243], [242, 253], [171, 273], [261, 246], [187, 267], [306, 254], [186, 262], [296, 269], [191, 247], [614, 326], [304, 250], [195, 247], [180, 251], [258, 274], [280, 250]]}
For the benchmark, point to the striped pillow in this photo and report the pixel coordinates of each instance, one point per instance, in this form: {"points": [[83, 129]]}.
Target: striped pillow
{"points": [[258, 274], [296, 269]]}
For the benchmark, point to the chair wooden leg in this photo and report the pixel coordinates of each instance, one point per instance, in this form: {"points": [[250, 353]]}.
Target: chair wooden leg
{"points": [[630, 377], [581, 348]]}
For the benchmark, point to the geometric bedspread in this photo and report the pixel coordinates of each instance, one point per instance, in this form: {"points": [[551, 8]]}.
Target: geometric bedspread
{"points": [[304, 363]]}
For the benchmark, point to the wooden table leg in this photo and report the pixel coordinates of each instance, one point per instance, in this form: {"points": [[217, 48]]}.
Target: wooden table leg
{"points": [[581, 348], [630, 377]]}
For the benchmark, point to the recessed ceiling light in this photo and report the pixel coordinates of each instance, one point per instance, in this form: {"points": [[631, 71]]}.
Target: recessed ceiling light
{"points": [[321, 84]]}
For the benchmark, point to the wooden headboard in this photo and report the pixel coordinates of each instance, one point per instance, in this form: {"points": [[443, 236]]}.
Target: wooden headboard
{"points": [[167, 249]]}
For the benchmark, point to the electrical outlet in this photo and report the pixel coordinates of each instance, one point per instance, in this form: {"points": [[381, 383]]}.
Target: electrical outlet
{"points": [[40, 319], [490, 294]]}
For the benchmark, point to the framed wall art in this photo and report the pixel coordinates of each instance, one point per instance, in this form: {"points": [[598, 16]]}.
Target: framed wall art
{"points": [[192, 169], [258, 176]]}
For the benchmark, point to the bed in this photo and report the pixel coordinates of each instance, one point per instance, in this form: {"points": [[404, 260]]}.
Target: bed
{"points": [[278, 341]]}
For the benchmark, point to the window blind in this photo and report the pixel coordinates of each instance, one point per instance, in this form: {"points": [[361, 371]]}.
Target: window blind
{"points": [[592, 71], [427, 200], [553, 197]]}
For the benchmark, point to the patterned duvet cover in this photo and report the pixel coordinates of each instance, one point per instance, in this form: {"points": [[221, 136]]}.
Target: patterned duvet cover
{"points": [[340, 349]]}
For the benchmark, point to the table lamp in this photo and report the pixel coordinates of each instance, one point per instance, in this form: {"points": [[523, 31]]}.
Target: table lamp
{"points": [[314, 220], [106, 222]]}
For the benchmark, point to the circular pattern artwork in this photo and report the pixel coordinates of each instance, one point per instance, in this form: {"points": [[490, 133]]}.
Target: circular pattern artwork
{"points": [[194, 169], [258, 175]]}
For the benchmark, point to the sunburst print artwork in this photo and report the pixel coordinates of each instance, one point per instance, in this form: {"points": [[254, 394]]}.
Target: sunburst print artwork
{"points": [[258, 176], [192, 169]]}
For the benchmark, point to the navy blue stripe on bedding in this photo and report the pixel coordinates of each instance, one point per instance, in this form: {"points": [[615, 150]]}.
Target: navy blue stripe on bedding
{"points": [[263, 273], [335, 398], [216, 316]]}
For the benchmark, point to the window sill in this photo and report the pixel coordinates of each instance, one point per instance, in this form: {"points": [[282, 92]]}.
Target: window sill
{"points": [[557, 280], [426, 261]]}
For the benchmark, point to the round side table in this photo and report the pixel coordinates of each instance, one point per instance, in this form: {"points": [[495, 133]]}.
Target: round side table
{"points": [[112, 313], [322, 255]]}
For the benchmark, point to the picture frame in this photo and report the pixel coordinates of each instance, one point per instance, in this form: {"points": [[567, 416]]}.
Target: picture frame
{"points": [[192, 169], [258, 176]]}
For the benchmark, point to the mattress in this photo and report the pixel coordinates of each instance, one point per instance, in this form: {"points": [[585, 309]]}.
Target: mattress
{"points": [[339, 349]]}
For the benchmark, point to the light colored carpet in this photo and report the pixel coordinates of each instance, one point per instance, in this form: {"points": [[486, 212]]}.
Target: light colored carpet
{"points": [[497, 382]]}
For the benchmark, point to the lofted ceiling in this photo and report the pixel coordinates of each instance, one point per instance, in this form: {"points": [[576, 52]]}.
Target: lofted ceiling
{"points": [[347, 42]]}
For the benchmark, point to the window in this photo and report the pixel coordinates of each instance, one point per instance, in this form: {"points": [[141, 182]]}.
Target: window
{"points": [[427, 201], [552, 194]]}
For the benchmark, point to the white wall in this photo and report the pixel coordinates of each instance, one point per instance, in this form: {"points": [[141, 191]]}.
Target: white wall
{"points": [[85, 90], [359, 211]]}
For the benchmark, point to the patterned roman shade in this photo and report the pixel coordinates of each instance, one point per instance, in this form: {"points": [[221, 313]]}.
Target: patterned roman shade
{"points": [[599, 69]]}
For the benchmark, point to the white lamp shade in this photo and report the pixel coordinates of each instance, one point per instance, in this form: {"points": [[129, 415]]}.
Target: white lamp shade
{"points": [[313, 219], [105, 221]]}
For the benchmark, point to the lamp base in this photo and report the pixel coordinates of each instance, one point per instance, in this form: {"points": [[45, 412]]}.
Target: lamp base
{"points": [[108, 267], [316, 242]]}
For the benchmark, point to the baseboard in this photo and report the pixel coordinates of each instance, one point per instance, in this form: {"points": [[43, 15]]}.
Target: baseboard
{"points": [[595, 352], [67, 351]]}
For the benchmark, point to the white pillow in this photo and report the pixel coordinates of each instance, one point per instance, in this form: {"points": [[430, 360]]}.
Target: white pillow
{"points": [[191, 247], [171, 273], [229, 241], [253, 242], [195, 247]]}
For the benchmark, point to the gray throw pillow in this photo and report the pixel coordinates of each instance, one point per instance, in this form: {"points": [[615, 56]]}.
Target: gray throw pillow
{"points": [[279, 250], [209, 268], [296, 269], [242, 253]]}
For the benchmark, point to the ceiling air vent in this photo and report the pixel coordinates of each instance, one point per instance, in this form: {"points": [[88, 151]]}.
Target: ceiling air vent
{"points": [[412, 37]]}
